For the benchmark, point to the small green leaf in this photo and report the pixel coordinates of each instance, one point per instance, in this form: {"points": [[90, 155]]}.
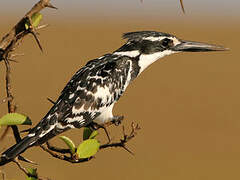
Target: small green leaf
{"points": [[88, 148], [89, 134], [15, 119], [33, 173], [36, 18], [93, 135], [69, 143]]}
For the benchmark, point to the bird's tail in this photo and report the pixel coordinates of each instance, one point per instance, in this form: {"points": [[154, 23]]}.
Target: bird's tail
{"points": [[36, 137], [17, 149]]}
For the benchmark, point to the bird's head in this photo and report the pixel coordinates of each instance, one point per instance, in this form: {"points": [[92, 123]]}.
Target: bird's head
{"points": [[150, 46]]}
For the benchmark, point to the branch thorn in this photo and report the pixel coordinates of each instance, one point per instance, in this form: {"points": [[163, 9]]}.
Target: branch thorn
{"points": [[26, 160], [51, 101], [42, 26], [37, 40], [51, 6]]}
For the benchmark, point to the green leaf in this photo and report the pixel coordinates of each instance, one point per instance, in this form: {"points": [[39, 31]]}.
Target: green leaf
{"points": [[88, 148], [36, 18], [93, 135], [15, 119], [33, 173], [69, 143], [89, 134]]}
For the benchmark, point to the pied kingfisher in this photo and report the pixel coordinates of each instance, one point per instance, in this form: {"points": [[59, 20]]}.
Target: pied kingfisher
{"points": [[90, 95]]}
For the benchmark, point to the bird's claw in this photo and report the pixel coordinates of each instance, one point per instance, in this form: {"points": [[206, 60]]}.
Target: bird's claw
{"points": [[96, 126], [117, 120]]}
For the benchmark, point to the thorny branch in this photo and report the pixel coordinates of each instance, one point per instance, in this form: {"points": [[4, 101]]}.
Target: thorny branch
{"points": [[11, 106], [7, 46], [59, 153]]}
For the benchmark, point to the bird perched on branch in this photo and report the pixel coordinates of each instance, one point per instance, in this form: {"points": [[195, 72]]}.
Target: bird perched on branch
{"points": [[90, 95]]}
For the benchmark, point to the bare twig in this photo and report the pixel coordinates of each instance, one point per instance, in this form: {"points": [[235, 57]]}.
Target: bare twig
{"points": [[181, 2], [26, 172], [125, 139], [20, 166]]}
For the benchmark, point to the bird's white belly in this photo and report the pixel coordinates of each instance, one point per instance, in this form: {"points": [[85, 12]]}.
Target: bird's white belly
{"points": [[105, 116]]}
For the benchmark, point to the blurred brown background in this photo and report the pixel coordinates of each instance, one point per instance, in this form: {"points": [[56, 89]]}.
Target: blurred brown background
{"points": [[186, 104]]}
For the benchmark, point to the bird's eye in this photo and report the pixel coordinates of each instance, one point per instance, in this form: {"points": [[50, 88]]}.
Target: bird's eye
{"points": [[166, 42]]}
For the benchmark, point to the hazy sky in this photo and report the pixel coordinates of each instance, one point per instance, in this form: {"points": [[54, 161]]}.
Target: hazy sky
{"points": [[119, 8]]}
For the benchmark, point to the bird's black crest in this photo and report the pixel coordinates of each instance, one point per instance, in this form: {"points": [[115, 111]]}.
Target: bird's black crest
{"points": [[139, 35]]}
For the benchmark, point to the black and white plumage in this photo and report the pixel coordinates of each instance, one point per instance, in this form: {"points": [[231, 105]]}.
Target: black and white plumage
{"points": [[92, 92]]}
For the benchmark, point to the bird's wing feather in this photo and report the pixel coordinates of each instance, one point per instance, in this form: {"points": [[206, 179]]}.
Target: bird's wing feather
{"points": [[94, 87]]}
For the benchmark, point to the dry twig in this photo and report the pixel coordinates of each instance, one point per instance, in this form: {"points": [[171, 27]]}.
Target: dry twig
{"points": [[21, 167], [181, 2]]}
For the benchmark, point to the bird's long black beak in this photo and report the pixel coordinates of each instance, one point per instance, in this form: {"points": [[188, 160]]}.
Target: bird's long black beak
{"points": [[191, 46]]}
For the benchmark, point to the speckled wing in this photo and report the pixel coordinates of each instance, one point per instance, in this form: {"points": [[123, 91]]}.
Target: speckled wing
{"points": [[91, 90]]}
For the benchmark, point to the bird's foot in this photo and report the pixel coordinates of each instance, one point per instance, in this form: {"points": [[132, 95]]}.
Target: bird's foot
{"points": [[95, 126], [117, 120]]}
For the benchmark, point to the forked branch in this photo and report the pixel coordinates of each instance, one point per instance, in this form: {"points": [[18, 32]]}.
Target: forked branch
{"points": [[60, 153]]}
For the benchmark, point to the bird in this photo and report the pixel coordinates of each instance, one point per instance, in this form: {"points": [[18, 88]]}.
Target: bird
{"points": [[90, 95]]}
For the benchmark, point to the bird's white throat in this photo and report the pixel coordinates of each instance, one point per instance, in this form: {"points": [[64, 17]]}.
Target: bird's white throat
{"points": [[147, 59]]}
